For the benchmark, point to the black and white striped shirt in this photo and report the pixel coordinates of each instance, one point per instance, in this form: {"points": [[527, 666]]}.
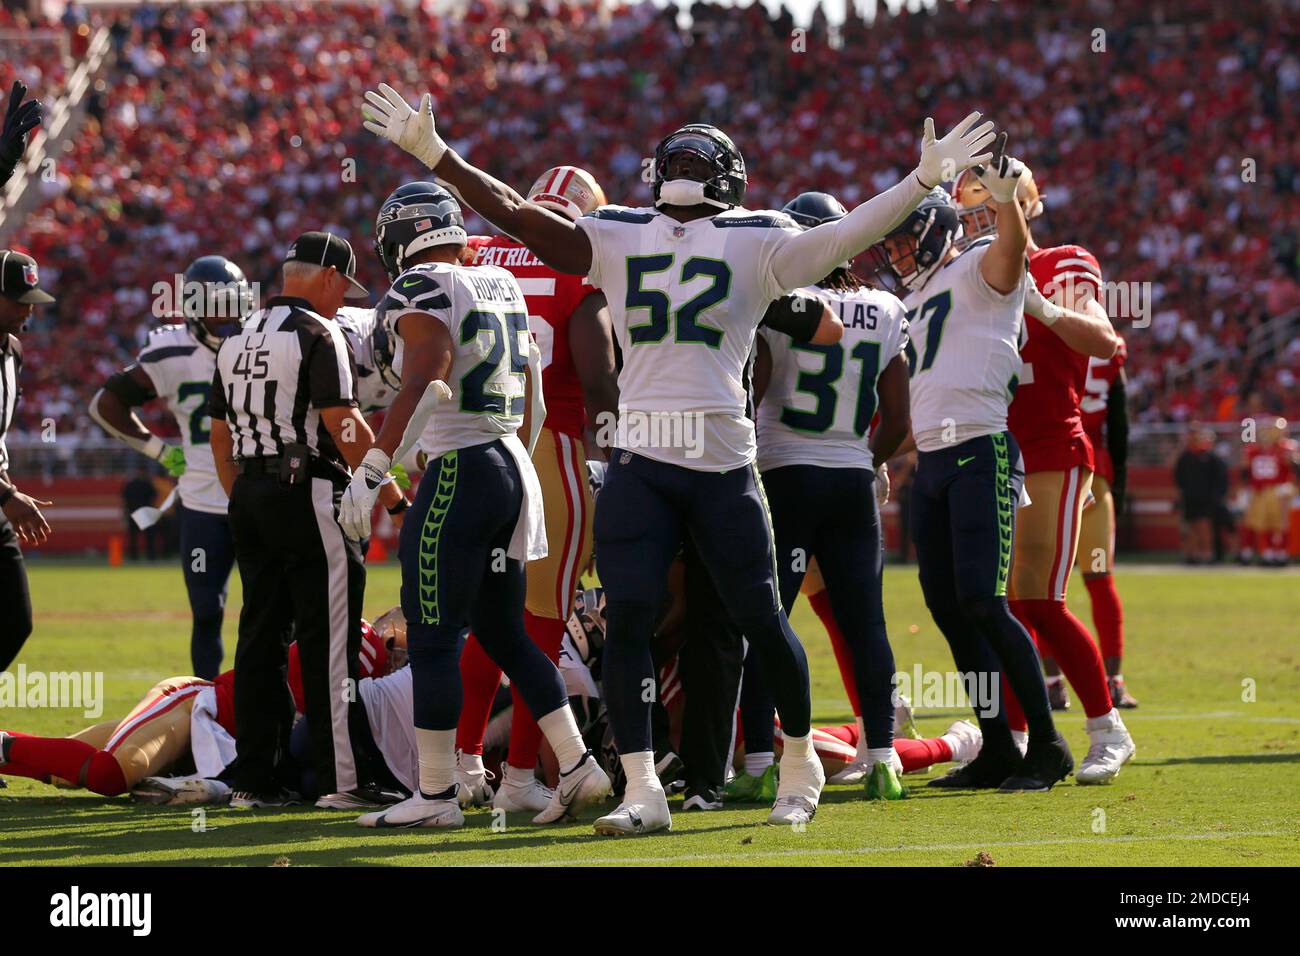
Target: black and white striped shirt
{"points": [[11, 367], [275, 376]]}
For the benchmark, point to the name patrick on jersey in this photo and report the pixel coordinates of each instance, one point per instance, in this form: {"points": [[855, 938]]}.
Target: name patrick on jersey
{"points": [[506, 256]]}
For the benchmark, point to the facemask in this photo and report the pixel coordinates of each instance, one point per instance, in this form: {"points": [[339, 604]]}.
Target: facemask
{"points": [[680, 192]]}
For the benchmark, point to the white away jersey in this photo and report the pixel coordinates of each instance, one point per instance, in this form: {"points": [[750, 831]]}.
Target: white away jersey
{"points": [[180, 368], [389, 703], [821, 398], [373, 393], [964, 352], [486, 314], [685, 300]]}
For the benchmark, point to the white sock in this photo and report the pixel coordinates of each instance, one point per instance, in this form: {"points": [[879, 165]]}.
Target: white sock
{"points": [[640, 770], [437, 759], [470, 763], [757, 764], [561, 732], [877, 755], [797, 749], [519, 776]]}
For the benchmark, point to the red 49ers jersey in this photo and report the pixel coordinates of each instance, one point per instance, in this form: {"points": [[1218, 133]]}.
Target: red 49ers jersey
{"points": [[552, 298], [1094, 405], [1044, 416], [1269, 465]]}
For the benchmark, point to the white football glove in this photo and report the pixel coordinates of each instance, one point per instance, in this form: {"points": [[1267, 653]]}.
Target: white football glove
{"points": [[359, 497], [386, 114], [943, 159], [1038, 305], [882, 485], [1002, 174]]}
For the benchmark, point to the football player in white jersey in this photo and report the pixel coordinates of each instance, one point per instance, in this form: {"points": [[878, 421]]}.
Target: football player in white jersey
{"points": [[817, 453], [966, 312], [176, 365], [477, 515], [376, 388], [687, 280]]}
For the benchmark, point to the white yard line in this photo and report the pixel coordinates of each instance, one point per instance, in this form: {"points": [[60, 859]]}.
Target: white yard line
{"points": [[746, 856]]}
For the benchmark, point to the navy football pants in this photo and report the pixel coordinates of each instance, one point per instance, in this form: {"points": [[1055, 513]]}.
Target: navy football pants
{"points": [[830, 514], [644, 511], [455, 574], [207, 555], [964, 502]]}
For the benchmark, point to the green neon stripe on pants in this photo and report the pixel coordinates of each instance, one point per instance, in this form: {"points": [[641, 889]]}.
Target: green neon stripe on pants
{"points": [[448, 467], [1006, 510]]}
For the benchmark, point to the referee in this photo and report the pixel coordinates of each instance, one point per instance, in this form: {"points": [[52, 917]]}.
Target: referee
{"points": [[285, 427], [21, 520]]}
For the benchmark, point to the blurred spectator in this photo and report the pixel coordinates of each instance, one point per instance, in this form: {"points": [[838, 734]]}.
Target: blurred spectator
{"points": [[1201, 477]]}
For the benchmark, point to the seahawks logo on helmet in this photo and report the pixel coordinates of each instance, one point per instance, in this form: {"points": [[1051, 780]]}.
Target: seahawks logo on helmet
{"points": [[724, 185], [414, 217]]}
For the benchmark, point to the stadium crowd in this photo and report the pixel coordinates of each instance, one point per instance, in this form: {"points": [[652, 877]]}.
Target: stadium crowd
{"points": [[1179, 167]]}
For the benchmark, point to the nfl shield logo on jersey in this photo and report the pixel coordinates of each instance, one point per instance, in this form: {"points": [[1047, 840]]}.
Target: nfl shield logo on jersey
{"points": [[679, 231]]}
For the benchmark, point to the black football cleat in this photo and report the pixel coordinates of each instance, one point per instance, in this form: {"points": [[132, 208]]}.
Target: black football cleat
{"points": [[1058, 698], [1119, 695], [985, 772], [1043, 767]]}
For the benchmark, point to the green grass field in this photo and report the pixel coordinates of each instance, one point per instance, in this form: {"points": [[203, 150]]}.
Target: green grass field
{"points": [[1214, 782]]}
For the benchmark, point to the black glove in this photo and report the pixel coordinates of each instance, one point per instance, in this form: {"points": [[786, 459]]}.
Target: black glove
{"points": [[20, 119]]}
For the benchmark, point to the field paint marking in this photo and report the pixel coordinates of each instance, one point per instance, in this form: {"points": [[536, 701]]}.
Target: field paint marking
{"points": [[915, 848]]}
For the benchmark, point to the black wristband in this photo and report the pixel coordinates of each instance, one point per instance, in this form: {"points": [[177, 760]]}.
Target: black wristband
{"points": [[401, 506], [7, 494]]}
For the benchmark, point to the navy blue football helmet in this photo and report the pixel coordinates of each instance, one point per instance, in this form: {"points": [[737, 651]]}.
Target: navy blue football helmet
{"points": [[934, 225], [216, 299], [416, 216], [724, 186], [813, 209]]}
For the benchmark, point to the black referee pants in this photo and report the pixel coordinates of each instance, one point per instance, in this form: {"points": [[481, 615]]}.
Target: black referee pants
{"points": [[15, 599], [299, 569]]}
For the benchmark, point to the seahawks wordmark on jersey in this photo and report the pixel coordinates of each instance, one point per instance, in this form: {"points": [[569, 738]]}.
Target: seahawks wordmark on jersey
{"points": [[964, 352], [484, 310], [820, 399], [181, 368], [373, 392], [685, 300]]}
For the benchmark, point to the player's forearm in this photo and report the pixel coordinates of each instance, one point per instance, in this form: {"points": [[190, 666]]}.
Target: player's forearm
{"points": [[810, 256], [399, 413], [121, 421], [1003, 266], [350, 431], [223, 446], [551, 237]]}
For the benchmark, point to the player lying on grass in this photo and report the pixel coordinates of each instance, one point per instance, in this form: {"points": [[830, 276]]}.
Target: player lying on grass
{"points": [[170, 747], [699, 265]]}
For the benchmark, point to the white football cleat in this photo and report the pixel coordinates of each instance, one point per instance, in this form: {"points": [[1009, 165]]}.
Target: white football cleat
{"points": [[854, 772], [532, 797], [638, 814], [1111, 748], [799, 789], [416, 811], [475, 791], [965, 739], [583, 785], [174, 791]]}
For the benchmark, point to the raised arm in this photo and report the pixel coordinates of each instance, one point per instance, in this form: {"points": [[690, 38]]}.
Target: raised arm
{"points": [[1003, 265], [553, 238], [808, 257]]}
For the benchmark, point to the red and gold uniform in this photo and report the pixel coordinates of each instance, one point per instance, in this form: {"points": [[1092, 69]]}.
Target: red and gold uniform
{"points": [[1097, 531], [1269, 470]]}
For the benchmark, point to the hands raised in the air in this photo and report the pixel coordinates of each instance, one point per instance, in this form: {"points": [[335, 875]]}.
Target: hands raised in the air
{"points": [[962, 148], [386, 114]]}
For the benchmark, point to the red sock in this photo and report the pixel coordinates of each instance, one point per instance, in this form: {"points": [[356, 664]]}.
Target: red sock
{"points": [[1247, 539], [919, 754], [821, 603], [525, 736], [1277, 541], [1107, 614], [479, 679], [73, 760], [1063, 635]]}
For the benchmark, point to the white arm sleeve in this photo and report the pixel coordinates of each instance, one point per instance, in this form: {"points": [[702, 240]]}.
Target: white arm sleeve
{"points": [[809, 257]]}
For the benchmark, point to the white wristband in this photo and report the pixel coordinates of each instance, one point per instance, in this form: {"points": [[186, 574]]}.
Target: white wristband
{"points": [[155, 447]]}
